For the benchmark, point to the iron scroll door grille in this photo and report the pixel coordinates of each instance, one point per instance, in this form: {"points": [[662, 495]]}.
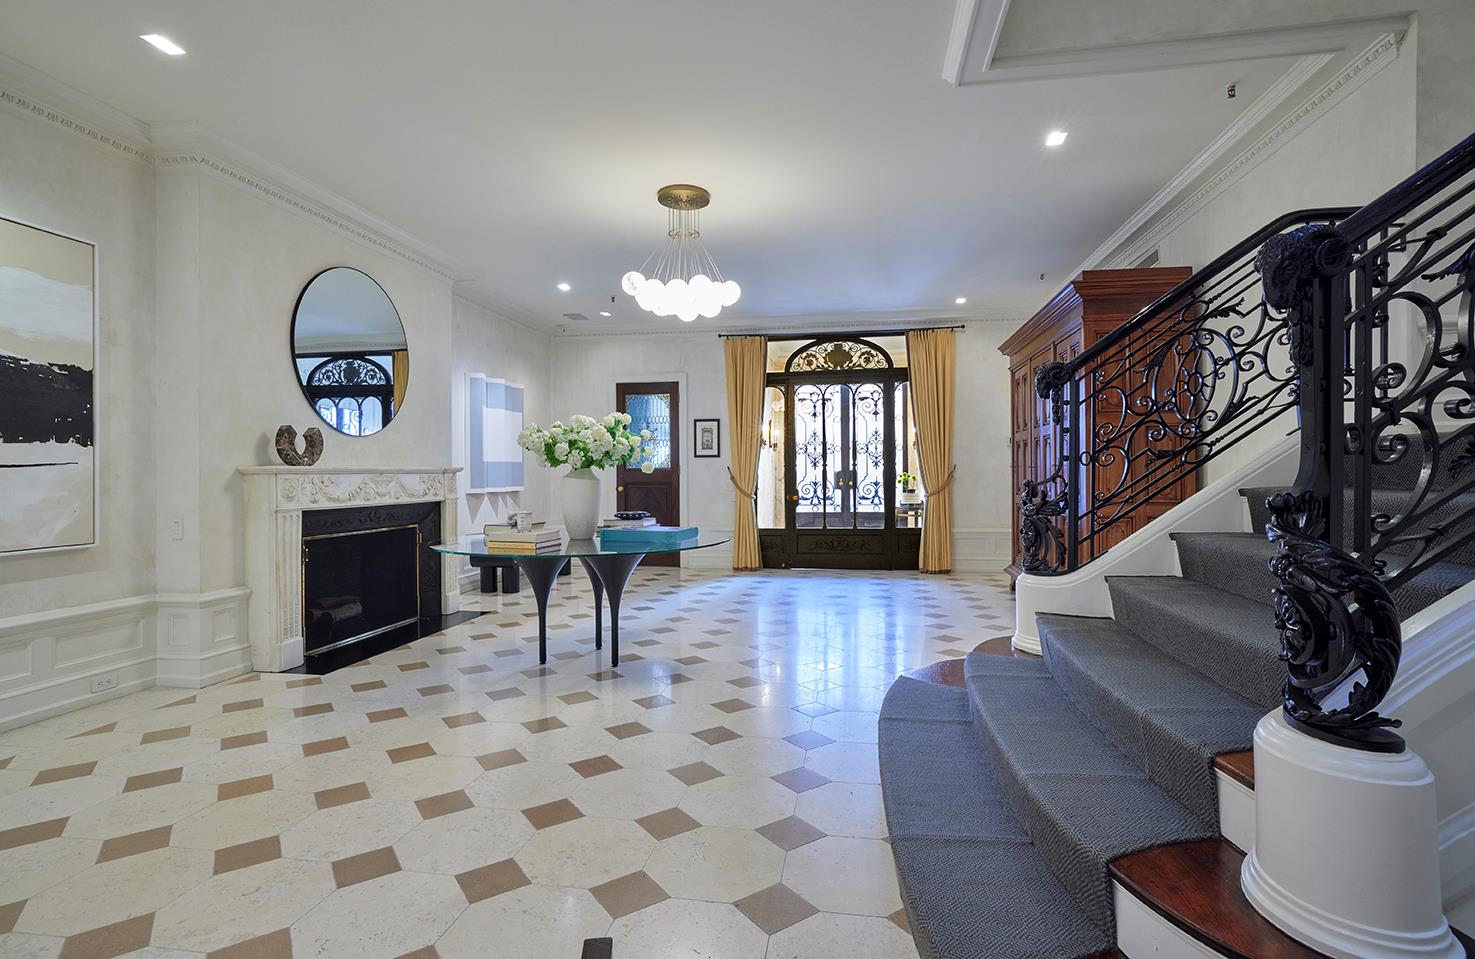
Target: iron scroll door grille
{"points": [[1188, 378], [840, 467], [1382, 316], [353, 393]]}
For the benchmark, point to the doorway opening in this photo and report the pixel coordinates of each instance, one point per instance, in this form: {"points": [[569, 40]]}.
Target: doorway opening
{"points": [[836, 487], [655, 407]]}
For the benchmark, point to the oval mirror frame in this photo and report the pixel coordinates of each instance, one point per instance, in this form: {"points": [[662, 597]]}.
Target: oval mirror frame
{"points": [[350, 353]]}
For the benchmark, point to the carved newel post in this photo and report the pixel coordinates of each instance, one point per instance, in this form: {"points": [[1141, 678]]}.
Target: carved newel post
{"points": [[1346, 856]]}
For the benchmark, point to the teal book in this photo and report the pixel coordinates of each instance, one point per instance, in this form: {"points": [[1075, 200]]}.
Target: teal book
{"points": [[647, 535]]}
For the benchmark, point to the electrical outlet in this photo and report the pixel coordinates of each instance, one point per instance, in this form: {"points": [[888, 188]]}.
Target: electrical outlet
{"points": [[176, 529], [101, 684]]}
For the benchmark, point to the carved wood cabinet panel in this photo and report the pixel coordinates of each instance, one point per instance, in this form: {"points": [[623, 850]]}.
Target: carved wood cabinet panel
{"points": [[1089, 307]]}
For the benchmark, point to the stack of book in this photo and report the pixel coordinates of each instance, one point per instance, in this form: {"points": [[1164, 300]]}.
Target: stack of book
{"points": [[615, 522], [656, 537], [542, 539]]}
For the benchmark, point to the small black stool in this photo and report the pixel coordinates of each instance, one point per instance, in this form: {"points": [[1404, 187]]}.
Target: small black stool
{"points": [[511, 582]]}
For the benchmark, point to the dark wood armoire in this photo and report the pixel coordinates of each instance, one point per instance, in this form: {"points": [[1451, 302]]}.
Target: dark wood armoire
{"points": [[1089, 307]]}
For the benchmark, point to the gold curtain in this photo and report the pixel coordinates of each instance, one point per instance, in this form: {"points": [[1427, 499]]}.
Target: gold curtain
{"points": [[932, 361], [747, 365], [401, 373]]}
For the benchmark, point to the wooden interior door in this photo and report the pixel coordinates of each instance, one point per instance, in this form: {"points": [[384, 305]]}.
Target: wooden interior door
{"points": [[655, 407]]}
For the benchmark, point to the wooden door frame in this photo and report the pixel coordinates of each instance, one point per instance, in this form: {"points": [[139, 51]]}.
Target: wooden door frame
{"points": [[683, 457]]}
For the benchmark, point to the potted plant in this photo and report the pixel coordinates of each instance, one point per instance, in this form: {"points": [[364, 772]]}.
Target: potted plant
{"points": [[909, 494], [585, 444]]}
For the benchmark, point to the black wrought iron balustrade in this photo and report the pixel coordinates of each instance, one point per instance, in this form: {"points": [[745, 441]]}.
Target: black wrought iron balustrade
{"points": [[1381, 310], [1187, 379]]}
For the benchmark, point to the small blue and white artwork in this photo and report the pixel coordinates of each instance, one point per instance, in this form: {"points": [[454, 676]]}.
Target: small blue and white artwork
{"points": [[493, 418]]}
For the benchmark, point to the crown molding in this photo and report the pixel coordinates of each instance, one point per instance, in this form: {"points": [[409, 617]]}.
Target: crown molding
{"points": [[799, 323], [968, 46], [186, 146], [30, 91], [1147, 227]]}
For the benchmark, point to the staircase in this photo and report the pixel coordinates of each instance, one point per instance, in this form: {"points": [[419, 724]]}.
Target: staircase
{"points": [[1011, 797], [1068, 807]]}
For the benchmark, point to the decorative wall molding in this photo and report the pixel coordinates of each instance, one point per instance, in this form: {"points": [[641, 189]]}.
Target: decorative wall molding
{"points": [[49, 660], [1122, 248], [30, 91], [790, 325]]}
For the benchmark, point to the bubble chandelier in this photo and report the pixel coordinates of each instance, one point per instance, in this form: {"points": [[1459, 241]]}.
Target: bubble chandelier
{"points": [[683, 279]]}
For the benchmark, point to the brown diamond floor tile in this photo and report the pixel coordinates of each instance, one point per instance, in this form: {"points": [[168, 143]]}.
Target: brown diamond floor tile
{"points": [[309, 681], [244, 739], [6, 761], [243, 787], [35, 832], [316, 709], [324, 746], [715, 735], [365, 866], [595, 766], [463, 719], [809, 739], [365, 687], [900, 918], [474, 670], [552, 813], [667, 823], [9, 914], [776, 908], [690, 660], [186, 701], [628, 894], [61, 773], [432, 807], [341, 795], [408, 667], [93, 732], [574, 699], [800, 780], [496, 760], [273, 945], [381, 715], [493, 880], [109, 941], [134, 843], [162, 777], [605, 674], [733, 705], [241, 706], [694, 773], [790, 833], [627, 730], [447, 650], [676, 679], [504, 653], [435, 690], [814, 710], [654, 702], [546, 724], [497, 695], [403, 754], [745, 682], [246, 854]]}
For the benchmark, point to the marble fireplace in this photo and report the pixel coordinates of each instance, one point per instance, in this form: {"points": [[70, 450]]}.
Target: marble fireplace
{"points": [[348, 514]]}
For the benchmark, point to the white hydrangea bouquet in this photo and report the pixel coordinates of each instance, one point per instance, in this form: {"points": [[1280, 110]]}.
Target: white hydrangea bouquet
{"points": [[587, 443]]}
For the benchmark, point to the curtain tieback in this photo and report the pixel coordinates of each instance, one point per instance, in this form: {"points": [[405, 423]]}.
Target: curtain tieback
{"points": [[945, 483], [750, 494]]}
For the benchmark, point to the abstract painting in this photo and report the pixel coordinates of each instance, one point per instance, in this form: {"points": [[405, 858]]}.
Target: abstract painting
{"points": [[493, 420], [48, 330]]}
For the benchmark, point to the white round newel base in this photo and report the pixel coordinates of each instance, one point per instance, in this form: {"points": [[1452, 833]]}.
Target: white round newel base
{"points": [[1346, 858]]}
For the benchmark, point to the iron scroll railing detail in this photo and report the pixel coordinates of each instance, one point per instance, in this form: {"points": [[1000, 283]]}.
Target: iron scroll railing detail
{"points": [[1144, 407], [1382, 312]]}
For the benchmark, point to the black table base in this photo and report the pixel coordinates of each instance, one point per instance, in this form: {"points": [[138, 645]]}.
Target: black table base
{"points": [[609, 574]]}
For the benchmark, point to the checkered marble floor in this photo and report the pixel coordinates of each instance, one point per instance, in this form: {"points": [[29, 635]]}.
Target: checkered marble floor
{"points": [[716, 795]]}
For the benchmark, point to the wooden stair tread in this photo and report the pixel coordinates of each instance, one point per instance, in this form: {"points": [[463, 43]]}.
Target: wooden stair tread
{"points": [[1195, 886], [1238, 766]]}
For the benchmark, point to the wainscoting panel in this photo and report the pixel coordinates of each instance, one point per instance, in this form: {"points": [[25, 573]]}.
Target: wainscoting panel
{"points": [[50, 662]]}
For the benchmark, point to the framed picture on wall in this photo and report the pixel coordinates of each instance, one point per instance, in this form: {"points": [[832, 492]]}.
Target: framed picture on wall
{"points": [[48, 364], [493, 420], [706, 438]]}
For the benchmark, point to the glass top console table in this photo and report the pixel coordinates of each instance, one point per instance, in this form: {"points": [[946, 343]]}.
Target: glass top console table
{"points": [[609, 570]]}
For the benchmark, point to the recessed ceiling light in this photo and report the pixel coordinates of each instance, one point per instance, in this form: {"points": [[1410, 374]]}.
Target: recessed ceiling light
{"points": [[605, 313], [1055, 137], [961, 300], [564, 287], [164, 43]]}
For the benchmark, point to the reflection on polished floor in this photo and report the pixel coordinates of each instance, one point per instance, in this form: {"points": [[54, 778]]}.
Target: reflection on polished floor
{"points": [[715, 796]]}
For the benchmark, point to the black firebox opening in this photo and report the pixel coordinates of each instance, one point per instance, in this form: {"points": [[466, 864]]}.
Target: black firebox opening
{"points": [[359, 584]]}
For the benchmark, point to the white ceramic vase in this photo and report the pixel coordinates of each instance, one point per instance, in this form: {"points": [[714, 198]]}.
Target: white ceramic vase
{"points": [[580, 503]]}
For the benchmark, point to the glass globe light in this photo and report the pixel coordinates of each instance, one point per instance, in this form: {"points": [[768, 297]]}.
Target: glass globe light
{"points": [[650, 295], [730, 292], [631, 282]]}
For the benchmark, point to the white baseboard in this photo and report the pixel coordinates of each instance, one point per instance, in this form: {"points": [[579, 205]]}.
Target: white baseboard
{"points": [[50, 660]]}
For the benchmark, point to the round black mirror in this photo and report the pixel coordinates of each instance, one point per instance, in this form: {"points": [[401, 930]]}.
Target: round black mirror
{"points": [[350, 352]]}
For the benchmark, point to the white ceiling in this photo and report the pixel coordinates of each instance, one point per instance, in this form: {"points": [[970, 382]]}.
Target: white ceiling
{"points": [[527, 139]]}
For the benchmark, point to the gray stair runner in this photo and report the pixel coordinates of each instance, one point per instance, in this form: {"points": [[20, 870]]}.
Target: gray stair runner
{"points": [[1007, 801]]}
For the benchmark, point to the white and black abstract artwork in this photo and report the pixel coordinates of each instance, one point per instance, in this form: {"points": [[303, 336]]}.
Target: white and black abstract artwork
{"points": [[48, 414]]}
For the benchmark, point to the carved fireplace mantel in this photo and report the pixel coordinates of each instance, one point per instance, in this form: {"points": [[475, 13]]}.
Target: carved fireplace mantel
{"points": [[276, 498]]}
